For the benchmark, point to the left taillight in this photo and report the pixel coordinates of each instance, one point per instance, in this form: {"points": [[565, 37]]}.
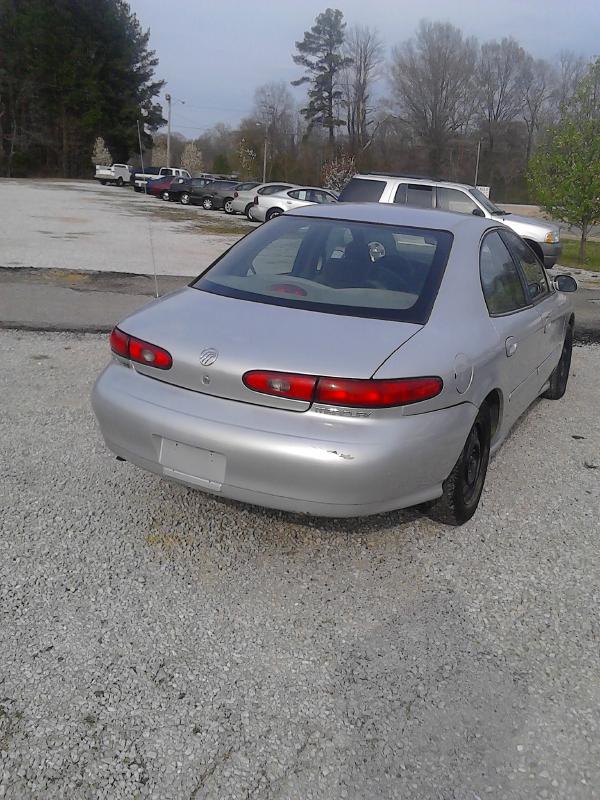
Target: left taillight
{"points": [[134, 349]]}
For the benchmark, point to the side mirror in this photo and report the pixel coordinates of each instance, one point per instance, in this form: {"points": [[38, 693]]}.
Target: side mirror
{"points": [[565, 283], [477, 212]]}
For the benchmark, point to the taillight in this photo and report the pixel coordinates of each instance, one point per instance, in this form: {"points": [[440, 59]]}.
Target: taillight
{"points": [[376, 393], [138, 350], [235, 194], [354, 392], [282, 384], [119, 343], [256, 200]]}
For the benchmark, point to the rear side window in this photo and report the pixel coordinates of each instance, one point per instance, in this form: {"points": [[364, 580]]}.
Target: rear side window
{"points": [[335, 266], [535, 274], [416, 195], [500, 281], [362, 190], [245, 187]]}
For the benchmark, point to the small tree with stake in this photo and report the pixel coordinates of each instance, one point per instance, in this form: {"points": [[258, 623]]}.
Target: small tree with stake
{"points": [[565, 171], [101, 154]]}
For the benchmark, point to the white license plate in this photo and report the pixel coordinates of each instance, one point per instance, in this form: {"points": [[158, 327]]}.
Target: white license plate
{"points": [[192, 464]]}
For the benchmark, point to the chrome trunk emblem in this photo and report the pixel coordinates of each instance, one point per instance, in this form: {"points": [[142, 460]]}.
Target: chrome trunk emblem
{"points": [[208, 356]]}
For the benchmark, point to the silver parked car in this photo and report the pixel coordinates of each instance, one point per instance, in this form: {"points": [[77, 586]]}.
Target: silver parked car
{"points": [[244, 199], [342, 360], [542, 236], [272, 205]]}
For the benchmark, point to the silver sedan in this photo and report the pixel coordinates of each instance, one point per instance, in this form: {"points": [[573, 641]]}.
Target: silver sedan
{"points": [[342, 360], [267, 206]]}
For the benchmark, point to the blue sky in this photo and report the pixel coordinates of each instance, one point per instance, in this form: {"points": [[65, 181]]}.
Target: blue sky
{"points": [[213, 53]]}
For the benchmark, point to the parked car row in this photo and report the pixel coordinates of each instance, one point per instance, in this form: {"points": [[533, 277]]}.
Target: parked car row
{"points": [[261, 202]]}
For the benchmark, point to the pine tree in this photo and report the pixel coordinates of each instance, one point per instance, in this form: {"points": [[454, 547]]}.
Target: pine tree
{"points": [[320, 54], [68, 72], [101, 155]]}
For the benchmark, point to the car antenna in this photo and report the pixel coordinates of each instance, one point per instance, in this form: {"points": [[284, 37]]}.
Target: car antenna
{"points": [[149, 220]]}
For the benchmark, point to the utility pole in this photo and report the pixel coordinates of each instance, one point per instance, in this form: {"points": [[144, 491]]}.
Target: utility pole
{"points": [[265, 156], [477, 163], [168, 99]]}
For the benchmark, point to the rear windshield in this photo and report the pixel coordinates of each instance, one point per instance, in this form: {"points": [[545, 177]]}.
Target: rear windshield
{"points": [[362, 190], [335, 266]]}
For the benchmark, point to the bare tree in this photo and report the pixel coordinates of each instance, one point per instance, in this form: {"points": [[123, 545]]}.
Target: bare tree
{"points": [[363, 49], [500, 81], [538, 87], [571, 71], [432, 83]]}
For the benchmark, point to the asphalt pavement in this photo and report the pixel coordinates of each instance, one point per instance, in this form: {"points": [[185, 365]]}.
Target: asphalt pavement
{"points": [[93, 302]]}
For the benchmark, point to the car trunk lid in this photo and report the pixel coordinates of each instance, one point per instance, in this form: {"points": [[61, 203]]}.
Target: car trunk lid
{"points": [[215, 340]]}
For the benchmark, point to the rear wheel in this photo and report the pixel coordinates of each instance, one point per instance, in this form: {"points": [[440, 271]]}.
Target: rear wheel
{"points": [[185, 199], [103, 183], [119, 182], [273, 212], [207, 203], [560, 376], [165, 195], [463, 487], [228, 205]]}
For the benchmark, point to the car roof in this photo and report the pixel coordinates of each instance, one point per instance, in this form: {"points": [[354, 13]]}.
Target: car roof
{"points": [[381, 176], [393, 214]]}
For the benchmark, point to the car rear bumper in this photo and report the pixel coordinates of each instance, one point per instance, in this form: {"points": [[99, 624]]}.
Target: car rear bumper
{"points": [[551, 253], [294, 461]]}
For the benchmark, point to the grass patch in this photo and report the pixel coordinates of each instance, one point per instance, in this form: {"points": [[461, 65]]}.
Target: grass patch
{"points": [[570, 255]]}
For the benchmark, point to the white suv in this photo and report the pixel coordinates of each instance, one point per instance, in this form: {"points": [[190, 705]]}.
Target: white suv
{"points": [[543, 237]]}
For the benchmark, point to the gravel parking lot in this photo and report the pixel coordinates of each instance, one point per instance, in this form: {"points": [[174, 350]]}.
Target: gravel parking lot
{"points": [[84, 226], [160, 643]]}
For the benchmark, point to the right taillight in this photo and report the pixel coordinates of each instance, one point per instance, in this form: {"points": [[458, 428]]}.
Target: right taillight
{"points": [[235, 194], [376, 393], [256, 200], [135, 349], [357, 393]]}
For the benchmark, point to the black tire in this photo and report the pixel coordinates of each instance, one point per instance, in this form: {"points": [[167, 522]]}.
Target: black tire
{"points": [[119, 182], [560, 377], [103, 183], [228, 205], [272, 213], [184, 198], [137, 188], [207, 204], [165, 195], [463, 487], [247, 211]]}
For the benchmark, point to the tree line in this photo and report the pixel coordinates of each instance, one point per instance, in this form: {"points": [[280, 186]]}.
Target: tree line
{"points": [[426, 108]]}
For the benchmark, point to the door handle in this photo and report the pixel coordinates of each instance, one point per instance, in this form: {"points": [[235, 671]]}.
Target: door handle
{"points": [[511, 345]]}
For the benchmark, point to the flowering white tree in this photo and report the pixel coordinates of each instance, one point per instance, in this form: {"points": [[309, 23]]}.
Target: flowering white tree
{"points": [[101, 155], [247, 159], [191, 158], [337, 172], [159, 154]]}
